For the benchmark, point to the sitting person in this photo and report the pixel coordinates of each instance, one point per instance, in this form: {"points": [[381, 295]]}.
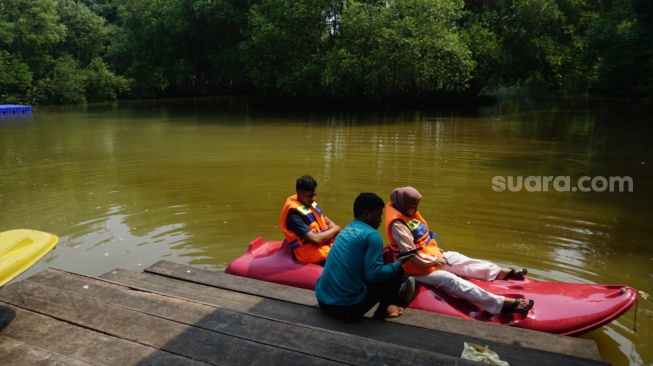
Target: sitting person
{"points": [[354, 277], [407, 229], [307, 230]]}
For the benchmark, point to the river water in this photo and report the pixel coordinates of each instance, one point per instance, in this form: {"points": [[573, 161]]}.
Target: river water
{"points": [[193, 181]]}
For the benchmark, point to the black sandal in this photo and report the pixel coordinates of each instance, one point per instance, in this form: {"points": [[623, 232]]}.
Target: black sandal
{"points": [[513, 307], [512, 274]]}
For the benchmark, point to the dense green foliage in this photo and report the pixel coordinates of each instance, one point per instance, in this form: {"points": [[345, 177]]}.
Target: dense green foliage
{"points": [[51, 52], [75, 51], [621, 40]]}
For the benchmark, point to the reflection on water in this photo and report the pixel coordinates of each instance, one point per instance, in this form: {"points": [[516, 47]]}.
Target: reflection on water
{"points": [[193, 181]]}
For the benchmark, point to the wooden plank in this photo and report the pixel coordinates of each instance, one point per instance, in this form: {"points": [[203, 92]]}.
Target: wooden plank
{"points": [[16, 353], [409, 336], [167, 335], [328, 345], [498, 334], [235, 283], [55, 340]]}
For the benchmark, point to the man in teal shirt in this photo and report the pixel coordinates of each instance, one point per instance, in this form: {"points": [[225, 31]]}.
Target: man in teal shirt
{"points": [[354, 277]]}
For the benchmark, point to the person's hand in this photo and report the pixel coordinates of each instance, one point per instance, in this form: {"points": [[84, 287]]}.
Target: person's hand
{"points": [[440, 262]]}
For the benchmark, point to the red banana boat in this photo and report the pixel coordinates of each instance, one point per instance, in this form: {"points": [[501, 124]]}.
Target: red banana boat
{"points": [[560, 307]]}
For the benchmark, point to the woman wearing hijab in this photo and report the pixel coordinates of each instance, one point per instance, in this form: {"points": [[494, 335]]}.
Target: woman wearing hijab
{"points": [[407, 230]]}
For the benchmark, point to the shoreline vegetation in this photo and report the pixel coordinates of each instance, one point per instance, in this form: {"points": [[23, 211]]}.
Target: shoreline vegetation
{"points": [[443, 102], [321, 53]]}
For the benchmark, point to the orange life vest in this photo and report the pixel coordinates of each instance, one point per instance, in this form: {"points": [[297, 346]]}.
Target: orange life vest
{"points": [[316, 220], [422, 238]]}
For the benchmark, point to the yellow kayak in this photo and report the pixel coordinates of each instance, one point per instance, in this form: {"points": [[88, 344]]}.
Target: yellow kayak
{"points": [[22, 248]]}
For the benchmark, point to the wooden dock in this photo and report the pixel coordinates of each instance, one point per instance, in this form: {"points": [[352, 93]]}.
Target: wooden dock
{"points": [[172, 314]]}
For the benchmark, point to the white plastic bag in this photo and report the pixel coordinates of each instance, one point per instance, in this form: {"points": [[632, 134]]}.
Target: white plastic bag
{"points": [[475, 352]]}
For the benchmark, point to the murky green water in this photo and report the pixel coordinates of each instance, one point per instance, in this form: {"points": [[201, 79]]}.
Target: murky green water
{"points": [[193, 181]]}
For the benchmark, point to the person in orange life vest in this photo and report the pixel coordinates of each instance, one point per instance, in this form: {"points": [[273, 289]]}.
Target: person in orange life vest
{"points": [[307, 230], [407, 229]]}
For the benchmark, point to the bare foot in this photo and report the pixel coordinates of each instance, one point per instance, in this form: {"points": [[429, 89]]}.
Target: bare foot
{"points": [[392, 311]]}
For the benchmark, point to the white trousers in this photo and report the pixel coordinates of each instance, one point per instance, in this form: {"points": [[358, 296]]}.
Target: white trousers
{"points": [[447, 279]]}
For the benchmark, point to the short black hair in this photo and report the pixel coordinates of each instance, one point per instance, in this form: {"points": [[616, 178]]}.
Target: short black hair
{"points": [[305, 183], [367, 202]]}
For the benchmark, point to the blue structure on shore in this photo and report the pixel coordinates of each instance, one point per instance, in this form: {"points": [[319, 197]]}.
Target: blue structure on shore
{"points": [[12, 109]]}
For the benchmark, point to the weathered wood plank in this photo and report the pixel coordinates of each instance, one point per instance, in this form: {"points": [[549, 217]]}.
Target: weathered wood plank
{"points": [[63, 342], [421, 338], [328, 345], [167, 335], [497, 334], [16, 353], [234, 283]]}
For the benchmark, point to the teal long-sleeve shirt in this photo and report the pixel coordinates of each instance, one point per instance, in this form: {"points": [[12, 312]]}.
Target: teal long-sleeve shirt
{"points": [[354, 260]]}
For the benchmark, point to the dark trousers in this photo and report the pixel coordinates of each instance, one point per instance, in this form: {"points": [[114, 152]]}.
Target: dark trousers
{"points": [[385, 293]]}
